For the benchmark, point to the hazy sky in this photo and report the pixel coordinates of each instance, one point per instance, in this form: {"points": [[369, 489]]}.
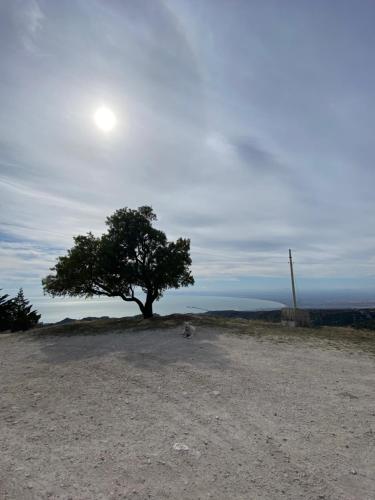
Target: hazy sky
{"points": [[247, 125]]}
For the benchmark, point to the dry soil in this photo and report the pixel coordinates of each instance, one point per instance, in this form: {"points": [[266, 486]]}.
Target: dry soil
{"points": [[149, 414]]}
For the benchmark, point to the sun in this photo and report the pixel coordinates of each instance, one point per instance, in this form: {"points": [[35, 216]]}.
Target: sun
{"points": [[105, 119]]}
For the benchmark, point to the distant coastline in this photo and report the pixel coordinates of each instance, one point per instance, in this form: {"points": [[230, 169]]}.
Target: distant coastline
{"points": [[360, 318], [55, 310]]}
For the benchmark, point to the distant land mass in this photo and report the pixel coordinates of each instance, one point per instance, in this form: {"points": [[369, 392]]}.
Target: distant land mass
{"points": [[229, 300], [358, 318]]}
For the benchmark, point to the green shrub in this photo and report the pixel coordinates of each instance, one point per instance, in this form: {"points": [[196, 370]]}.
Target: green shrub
{"points": [[23, 318], [6, 312]]}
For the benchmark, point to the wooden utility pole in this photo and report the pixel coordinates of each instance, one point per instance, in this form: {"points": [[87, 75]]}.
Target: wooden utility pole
{"points": [[292, 278]]}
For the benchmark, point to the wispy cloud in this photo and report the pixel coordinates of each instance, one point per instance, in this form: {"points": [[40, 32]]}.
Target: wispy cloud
{"points": [[249, 130], [29, 20]]}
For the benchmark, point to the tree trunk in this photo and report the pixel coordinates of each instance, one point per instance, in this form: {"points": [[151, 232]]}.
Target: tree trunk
{"points": [[147, 308], [147, 312]]}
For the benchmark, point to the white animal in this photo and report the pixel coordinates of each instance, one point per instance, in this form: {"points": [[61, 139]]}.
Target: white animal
{"points": [[189, 329]]}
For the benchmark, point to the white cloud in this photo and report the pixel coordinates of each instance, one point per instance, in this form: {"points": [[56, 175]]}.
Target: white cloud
{"points": [[227, 134], [29, 17]]}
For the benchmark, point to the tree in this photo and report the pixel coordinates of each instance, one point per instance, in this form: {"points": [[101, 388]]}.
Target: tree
{"points": [[132, 254], [23, 318], [6, 312]]}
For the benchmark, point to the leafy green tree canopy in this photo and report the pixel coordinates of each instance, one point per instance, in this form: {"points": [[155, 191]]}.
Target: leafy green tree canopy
{"points": [[131, 254]]}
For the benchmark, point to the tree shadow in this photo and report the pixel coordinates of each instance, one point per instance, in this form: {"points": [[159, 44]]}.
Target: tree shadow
{"points": [[147, 349]]}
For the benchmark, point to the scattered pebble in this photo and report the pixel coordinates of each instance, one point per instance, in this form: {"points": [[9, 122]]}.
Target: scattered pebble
{"points": [[180, 447]]}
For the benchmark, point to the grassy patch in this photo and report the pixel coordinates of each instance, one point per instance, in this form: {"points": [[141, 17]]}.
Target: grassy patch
{"points": [[328, 337]]}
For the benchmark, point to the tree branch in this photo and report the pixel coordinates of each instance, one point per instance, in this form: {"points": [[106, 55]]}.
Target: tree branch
{"points": [[132, 299]]}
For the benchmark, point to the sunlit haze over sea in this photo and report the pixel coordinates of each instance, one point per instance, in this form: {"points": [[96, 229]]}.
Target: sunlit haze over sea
{"points": [[58, 309]]}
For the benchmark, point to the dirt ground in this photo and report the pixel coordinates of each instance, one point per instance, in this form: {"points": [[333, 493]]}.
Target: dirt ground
{"points": [[148, 414]]}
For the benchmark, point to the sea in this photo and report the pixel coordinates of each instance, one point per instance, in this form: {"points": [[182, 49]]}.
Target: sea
{"points": [[57, 309]]}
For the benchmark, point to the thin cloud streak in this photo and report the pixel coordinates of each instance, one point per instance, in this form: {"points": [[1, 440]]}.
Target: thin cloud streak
{"points": [[248, 129]]}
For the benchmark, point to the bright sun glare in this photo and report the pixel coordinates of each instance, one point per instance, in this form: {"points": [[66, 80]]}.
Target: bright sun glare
{"points": [[105, 119]]}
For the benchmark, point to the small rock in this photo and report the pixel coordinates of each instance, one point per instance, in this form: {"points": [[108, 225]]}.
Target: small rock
{"points": [[354, 472], [216, 393], [180, 447]]}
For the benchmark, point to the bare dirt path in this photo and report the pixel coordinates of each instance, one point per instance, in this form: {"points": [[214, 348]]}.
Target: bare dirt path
{"points": [[149, 414]]}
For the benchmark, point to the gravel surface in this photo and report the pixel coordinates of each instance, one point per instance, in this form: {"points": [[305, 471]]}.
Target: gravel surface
{"points": [[150, 414]]}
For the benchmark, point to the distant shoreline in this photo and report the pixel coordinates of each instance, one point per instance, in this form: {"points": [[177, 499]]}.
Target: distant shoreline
{"points": [[55, 310], [358, 317]]}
